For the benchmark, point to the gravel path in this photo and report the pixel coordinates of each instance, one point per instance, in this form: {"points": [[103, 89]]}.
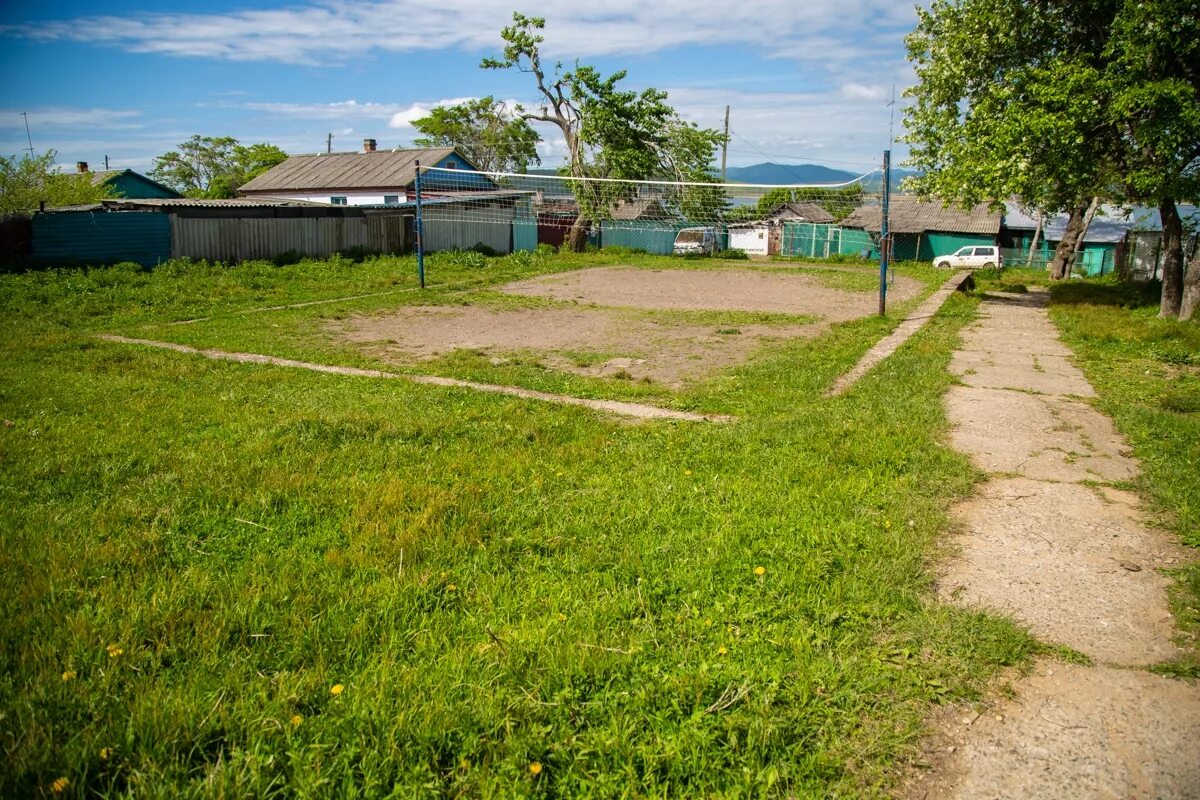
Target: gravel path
{"points": [[1049, 542]]}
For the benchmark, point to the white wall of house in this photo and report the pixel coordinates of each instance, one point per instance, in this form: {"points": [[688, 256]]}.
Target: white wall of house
{"points": [[749, 240], [352, 198]]}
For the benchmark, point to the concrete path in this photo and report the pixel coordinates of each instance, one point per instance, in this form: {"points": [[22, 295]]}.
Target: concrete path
{"points": [[1050, 542], [635, 410]]}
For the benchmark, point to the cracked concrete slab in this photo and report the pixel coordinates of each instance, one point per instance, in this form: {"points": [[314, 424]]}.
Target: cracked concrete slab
{"points": [[1047, 542]]}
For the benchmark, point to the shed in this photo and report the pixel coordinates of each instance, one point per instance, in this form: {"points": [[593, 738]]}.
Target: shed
{"points": [[127, 183], [923, 229], [764, 236]]}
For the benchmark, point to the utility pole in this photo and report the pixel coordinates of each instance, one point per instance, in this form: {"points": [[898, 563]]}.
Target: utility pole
{"points": [[106, 162], [725, 144], [329, 144], [27, 136]]}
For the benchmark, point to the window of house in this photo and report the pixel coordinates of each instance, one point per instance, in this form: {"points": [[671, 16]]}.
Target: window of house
{"points": [[451, 164], [391, 199], [338, 201]]}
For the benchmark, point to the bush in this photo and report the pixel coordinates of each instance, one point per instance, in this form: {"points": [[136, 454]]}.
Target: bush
{"points": [[484, 250], [286, 259], [731, 253]]}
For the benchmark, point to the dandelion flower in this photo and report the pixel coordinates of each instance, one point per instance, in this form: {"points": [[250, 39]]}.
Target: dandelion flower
{"points": [[687, 472], [336, 689], [59, 785], [707, 622], [536, 768], [296, 720], [69, 675], [105, 752], [451, 588], [721, 650], [114, 651], [760, 571], [562, 617]]}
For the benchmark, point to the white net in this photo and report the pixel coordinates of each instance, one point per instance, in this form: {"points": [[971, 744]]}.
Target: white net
{"points": [[503, 212]]}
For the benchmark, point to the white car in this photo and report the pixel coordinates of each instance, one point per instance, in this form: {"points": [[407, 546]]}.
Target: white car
{"points": [[697, 241], [973, 257]]}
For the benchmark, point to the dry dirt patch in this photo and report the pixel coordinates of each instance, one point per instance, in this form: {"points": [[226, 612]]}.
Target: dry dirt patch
{"points": [[622, 344], [716, 290], [618, 340]]}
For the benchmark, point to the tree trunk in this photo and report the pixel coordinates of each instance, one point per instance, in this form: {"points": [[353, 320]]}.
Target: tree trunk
{"points": [[1064, 254], [1172, 248], [1191, 287], [1037, 234], [577, 236]]}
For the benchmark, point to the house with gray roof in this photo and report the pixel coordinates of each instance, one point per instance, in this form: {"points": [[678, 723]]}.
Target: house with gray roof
{"points": [[924, 229], [371, 177]]}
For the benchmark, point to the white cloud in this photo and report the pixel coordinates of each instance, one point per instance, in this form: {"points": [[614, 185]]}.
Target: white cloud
{"points": [[857, 91], [333, 30], [343, 110], [404, 118], [62, 117]]}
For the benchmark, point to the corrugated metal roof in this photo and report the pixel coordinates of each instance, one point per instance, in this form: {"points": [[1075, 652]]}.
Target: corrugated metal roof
{"points": [[640, 209], [382, 169], [167, 203], [910, 214], [1109, 225], [808, 212]]}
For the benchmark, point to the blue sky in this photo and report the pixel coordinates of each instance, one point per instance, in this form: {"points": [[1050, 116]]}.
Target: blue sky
{"points": [[808, 80]]}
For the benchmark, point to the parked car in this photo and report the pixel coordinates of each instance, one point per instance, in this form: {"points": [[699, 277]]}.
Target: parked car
{"points": [[973, 257], [697, 241]]}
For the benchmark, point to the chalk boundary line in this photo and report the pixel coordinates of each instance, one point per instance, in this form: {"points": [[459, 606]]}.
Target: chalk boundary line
{"points": [[635, 410], [904, 331]]}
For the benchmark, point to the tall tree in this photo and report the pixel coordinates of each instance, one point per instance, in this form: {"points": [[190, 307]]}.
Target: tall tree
{"points": [[214, 167], [1058, 103], [609, 131], [28, 181], [486, 131]]}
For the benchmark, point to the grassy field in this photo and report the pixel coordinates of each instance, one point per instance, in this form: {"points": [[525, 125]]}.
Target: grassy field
{"points": [[235, 580]]}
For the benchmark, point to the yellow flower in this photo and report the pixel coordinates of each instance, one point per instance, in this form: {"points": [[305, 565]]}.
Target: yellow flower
{"points": [[721, 650], [60, 785], [562, 617], [687, 472], [69, 675], [451, 588], [464, 765], [296, 720], [536, 768], [707, 622], [114, 651], [336, 689], [760, 571], [105, 752]]}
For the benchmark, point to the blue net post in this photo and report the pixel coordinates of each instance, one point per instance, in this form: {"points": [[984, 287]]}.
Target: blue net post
{"points": [[884, 239], [418, 228]]}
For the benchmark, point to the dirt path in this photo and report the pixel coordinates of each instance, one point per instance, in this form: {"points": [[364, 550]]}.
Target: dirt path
{"points": [[1048, 541]]}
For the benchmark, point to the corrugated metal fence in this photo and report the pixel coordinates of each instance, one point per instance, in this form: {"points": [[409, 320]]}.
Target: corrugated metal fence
{"points": [[101, 237], [242, 239]]}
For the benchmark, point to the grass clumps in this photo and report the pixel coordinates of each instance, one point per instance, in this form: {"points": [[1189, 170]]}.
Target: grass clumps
{"points": [[227, 579]]}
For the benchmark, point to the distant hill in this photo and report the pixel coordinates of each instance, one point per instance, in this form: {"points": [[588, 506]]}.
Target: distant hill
{"points": [[783, 174]]}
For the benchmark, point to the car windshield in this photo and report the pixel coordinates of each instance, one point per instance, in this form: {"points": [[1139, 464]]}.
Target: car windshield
{"points": [[689, 236]]}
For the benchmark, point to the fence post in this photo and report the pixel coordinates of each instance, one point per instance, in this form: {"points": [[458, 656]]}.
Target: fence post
{"points": [[418, 228], [884, 242]]}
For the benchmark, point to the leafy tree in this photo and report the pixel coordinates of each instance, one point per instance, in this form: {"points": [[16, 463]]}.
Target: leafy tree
{"points": [[214, 167], [610, 132], [485, 131], [28, 181], [1060, 104]]}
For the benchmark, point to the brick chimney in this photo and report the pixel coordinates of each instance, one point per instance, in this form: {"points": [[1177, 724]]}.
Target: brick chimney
{"points": [[81, 166], [368, 145]]}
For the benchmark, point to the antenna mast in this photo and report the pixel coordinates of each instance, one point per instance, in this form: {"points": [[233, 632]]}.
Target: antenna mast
{"points": [[27, 136]]}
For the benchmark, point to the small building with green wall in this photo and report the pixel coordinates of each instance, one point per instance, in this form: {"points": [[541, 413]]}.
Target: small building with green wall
{"points": [[922, 230], [129, 184]]}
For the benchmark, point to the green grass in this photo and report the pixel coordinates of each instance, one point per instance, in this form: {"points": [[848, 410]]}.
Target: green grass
{"points": [[196, 552], [1147, 373]]}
